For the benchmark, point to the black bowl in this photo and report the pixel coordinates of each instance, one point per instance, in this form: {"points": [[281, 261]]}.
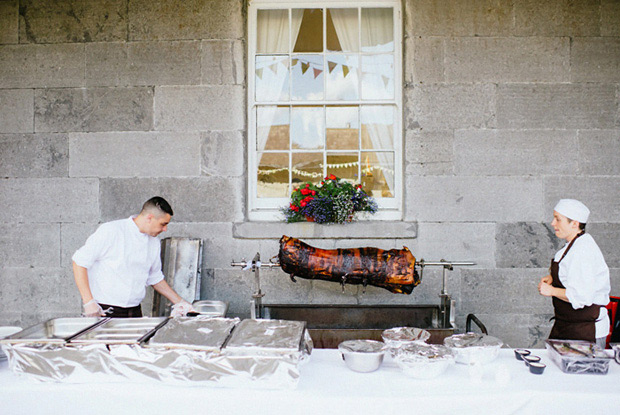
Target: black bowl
{"points": [[519, 353], [537, 368], [531, 359]]}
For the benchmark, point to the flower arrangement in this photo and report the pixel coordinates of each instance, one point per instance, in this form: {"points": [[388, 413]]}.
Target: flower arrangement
{"points": [[331, 201]]}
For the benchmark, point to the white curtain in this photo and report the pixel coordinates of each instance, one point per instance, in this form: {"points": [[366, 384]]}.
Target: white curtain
{"points": [[377, 35]]}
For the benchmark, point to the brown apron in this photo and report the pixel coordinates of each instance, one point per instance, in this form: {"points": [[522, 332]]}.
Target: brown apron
{"points": [[571, 324]]}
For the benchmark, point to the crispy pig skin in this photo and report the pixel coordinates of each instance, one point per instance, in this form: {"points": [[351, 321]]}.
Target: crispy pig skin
{"points": [[392, 269]]}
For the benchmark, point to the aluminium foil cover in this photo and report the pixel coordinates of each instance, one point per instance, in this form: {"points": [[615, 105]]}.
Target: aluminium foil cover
{"points": [[194, 333], [267, 336]]}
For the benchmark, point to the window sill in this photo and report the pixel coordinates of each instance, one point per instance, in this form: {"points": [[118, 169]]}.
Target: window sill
{"points": [[309, 230]]}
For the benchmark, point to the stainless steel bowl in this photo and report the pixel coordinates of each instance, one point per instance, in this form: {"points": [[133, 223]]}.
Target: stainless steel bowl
{"points": [[211, 308], [362, 355]]}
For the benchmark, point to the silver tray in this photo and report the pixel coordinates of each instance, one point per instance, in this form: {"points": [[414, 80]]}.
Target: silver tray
{"points": [[279, 336], [194, 333], [122, 331], [57, 330]]}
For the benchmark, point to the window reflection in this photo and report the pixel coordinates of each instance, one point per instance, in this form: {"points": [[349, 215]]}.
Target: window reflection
{"points": [[307, 73], [344, 165], [377, 30], [377, 127], [342, 29], [378, 173], [271, 78], [307, 127], [307, 167], [272, 128], [377, 77], [342, 128], [342, 77], [272, 180]]}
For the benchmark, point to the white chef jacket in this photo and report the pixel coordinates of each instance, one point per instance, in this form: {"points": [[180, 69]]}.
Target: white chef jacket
{"points": [[121, 261], [585, 275]]}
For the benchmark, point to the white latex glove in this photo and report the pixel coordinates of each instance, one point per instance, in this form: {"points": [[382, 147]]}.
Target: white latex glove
{"points": [[93, 309], [181, 309]]}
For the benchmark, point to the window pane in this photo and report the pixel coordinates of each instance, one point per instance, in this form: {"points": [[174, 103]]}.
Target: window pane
{"points": [[307, 75], [342, 77], [342, 128], [272, 128], [343, 165], [378, 77], [377, 30], [272, 34], [377, 127], [378, 173], [342, 30], [272, 180], [272, 78], [307, 167], [310, 30], [307, 127]]}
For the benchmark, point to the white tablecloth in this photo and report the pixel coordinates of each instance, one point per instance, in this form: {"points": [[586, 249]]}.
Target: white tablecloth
{"points": [[327, 386]]}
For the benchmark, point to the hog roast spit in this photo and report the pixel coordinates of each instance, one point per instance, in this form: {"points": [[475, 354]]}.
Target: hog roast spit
{"points": [[329, 324]]}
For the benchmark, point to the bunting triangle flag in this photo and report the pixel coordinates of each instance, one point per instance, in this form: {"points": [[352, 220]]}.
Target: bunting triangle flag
{"points": [[331, 66], [274, 67], [345, 70], [385, 80], [259, 73], [304, 67], [317, 72], [295, 61]]}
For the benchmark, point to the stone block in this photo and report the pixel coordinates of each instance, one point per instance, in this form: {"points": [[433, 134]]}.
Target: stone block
{"points": [[29, 245], [610, 16], [562, 106], [279, 289], [42, 66], [599, 152], [9, 18], [236, 288], [143, 63], [16, 111], [49, 200], [41, 290], [193, 199], [595, 59], [600, 194], [307, 230], [614, 275], [525, 245], [72, 237], [80, 21], [505, 291], [222, 62], [93, 109], [457, 242], [557, 18], [34, 155], [451, 18], [524, 330], [134, 154], [474, 199], [512, 59], [429, 153], [192, 19], [200, 108], [606, 237], [515, 152], [424, 64], [223, 153], [441, 107]]}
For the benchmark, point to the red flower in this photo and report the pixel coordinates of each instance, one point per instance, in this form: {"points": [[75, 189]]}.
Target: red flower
{"points": [[307, 185], [303, 203], [305, 191], [331, 177], [294, 208], [359, 186], [313, 192]]}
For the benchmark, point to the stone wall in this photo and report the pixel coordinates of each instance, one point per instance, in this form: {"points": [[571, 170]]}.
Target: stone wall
{"points": [[509, 106]]}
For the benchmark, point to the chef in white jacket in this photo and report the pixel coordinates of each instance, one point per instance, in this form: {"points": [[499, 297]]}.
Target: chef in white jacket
{"points": [[119, 260], [579, 278]]}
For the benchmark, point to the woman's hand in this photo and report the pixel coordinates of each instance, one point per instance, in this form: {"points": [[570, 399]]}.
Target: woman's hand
{"points": [[545, 289]]}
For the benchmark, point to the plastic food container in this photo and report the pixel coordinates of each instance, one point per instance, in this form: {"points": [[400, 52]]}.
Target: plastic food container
{"points": [[398, 337], [472, 348], [362, 355], [574, 356], [616, 349], [424, 361], [521, 353]]}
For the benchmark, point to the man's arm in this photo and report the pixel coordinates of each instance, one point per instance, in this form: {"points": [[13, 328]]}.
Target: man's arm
{"points": [[164, 289], [91, 307]]}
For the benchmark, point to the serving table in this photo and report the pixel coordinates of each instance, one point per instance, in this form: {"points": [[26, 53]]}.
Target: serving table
{"points": [[327, 386]]}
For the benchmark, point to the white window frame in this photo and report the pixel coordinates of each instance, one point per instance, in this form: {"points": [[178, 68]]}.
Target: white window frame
{"points": [[263, 210]]}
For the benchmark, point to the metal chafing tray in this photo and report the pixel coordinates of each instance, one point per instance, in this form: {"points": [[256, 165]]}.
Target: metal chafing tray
{"points": [[194, 333], [57, 330], [267, 336], [122, 331]]}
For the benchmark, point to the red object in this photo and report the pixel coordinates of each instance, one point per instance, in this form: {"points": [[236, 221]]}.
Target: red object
{"points": [[612, 309], [309, 218]]}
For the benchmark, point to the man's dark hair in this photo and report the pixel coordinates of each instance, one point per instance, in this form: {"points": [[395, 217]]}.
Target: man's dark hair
{"points": [[158, 203]]}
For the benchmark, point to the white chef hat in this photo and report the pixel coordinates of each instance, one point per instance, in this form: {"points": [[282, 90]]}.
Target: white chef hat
{"points": [[573, 209]]}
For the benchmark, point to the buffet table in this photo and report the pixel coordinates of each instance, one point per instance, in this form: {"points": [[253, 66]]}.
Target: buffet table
{"points": [[504, 386]]}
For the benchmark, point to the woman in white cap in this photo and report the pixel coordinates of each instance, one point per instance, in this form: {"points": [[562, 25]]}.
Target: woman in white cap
{"points": [[579, 278]]}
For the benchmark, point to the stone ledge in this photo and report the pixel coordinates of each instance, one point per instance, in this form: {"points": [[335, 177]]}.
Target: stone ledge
{"points": [[357, 230]]}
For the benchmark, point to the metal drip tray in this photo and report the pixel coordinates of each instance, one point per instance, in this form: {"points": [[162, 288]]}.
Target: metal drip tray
{"points": [[122, 331], [56, 330], [329, 325]]}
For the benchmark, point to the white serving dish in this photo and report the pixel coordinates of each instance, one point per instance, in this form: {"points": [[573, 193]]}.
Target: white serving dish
{"points": [[472, 348]]}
